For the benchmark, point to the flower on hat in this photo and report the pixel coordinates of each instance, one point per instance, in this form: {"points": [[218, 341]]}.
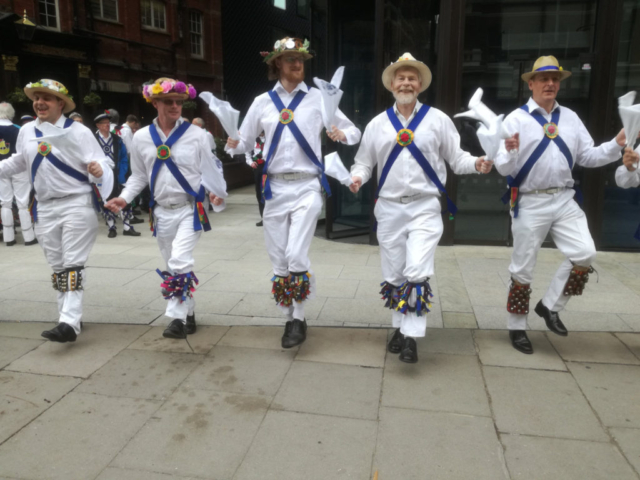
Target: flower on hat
{"points": [[192, 92], [276, 46], [290, 43], [166, 86], [156, 89], [180, 87]]}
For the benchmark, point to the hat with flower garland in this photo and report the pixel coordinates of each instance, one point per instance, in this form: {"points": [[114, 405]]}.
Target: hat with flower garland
{"points": [[546, 64], [406, 60], [168, 88], [287, 45], [51, 87], [102, 116]]}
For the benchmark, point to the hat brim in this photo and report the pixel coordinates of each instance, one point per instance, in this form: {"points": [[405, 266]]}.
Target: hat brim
{"points": [[390, 72], [69, 105], [306, 56], [564, 74], [162, 96]]}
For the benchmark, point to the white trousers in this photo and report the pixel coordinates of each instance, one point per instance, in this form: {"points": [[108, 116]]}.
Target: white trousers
{"points": [[539, 215], [18, 186], [289, 223], [408, 235], [177, 239], [66, 231]]}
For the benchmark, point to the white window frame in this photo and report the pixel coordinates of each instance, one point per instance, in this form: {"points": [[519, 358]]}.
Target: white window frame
{"points": [[102, 17], [152, 4], [200, 17], [56, 3]]}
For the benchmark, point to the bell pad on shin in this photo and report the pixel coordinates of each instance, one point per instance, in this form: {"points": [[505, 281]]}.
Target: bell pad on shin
{"points": [[576, 281], [518, 301], [281, 290], [388, 293], [299, 286]]}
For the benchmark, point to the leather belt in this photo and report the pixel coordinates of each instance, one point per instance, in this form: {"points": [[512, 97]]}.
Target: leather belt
{"points": [[548, 191], [175, 206], [292, 176], [408, 199]]}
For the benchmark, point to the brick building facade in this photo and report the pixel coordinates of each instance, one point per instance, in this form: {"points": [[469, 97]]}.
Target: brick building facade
{"points": [[111, 47]]}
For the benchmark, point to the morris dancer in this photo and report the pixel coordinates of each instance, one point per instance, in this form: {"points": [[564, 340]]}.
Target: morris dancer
{"points": [[174, 159], [17, 186], [62, 169], [416, 139], [547, 141], [291, 117], [628, 174]]}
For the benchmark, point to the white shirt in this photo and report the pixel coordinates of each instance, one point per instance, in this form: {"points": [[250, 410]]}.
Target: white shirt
{"points": [[552, 169], [627, 179], [289, 156], [192, 155], [126, 134], [51, 182], [212, 142], [436, 137]]}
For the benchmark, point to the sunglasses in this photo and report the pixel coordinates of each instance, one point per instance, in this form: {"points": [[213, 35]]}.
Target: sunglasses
{"points": [[170, 101]]}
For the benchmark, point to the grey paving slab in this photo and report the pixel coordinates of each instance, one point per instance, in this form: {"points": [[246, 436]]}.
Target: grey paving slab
{"points": [[543, 403], [24, 396], [263, 305], [13, 348], [589, 321], [494, 348], [196, 433], [93, 348], [628, 439], [30, 330], [414, 445], [242, 370], [551, 458], [202, 341], [40, 291], [141, 374], [92, 429], [132, 316], [292, 446], [593, 347], [336, 287], [253, 337], [358, 310], [124, 297], [329, 389], [353, 273], [345, 346], [349, 260], [453, 341], [102, 277], [322, 270], [459, 320], [495, 318], [23, 311], [209, 302], [113, 473], [612, 390], [239, 267], [232, 282], [124, 260], [631, 340], [447, 383]]}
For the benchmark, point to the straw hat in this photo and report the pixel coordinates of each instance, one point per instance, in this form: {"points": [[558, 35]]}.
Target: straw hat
{"points": [[287, 45], [406, 60], [51, 87], [168, 88], [546, 64]]}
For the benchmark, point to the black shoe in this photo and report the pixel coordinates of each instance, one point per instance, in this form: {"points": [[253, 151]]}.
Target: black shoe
{"points": [[32, 242], [176, 329], [131, 233], [191, 324], [112, 233], [63, 332], [136, 211], [409, 352], [295, 332], [259, 224], [520, 341], [135, 221], [395, 344], [11, 243], [552, 319]]}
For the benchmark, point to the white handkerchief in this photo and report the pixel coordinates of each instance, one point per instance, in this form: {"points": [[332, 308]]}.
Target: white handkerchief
{"points": [[334, 167], [227, 115], [630, 116], [490, 138], [331, 95]]}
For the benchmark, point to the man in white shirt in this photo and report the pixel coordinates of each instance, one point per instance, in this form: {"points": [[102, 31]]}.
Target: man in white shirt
{"points": [[126, 130], [174, 159], [291, 117], [409, 143], [66, 169], [547, 141], [628, 174], [17, 186]]}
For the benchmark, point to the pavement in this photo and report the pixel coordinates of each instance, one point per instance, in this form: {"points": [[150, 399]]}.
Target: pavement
{"points": [[124, 403]]}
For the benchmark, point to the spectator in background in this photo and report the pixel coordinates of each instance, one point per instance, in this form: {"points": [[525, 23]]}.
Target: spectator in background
{"points": [[76, 117], [24, 119]]}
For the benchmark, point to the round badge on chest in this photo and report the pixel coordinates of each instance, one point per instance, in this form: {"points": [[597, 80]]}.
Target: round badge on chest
{"points": [[551, 130], [164, 152], [44, 149], [286, 116], [404, 137]]}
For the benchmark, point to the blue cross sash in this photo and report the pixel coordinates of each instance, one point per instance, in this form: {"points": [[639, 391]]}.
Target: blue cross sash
{"points": [[550, 134], [107, 146], [200, 219], [404, 139], [44, 151], [286, 119]]}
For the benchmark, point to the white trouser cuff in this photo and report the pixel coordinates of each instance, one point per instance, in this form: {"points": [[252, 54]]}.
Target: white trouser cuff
{"points": [[516, 322], [413, 325]]}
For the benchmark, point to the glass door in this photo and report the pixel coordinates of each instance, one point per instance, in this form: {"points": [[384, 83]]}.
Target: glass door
{"points": [[502, 40]]}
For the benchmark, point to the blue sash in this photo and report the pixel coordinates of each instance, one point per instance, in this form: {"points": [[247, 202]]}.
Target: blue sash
{"points": [[60, 165], [415, 151], [515, 182], [200, 219], [297, 134]]}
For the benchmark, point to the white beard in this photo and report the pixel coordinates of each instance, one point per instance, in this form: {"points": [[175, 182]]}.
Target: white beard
{"points": [[405, 98]]}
